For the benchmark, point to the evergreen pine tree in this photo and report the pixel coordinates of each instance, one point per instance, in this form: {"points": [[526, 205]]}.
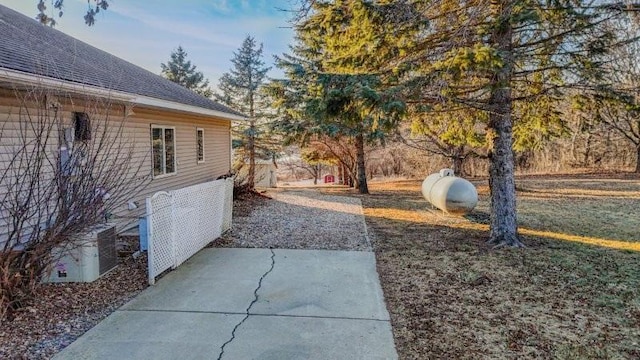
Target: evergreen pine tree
{"points": [[492, 56], [316, 100], [241, 89], [502, 56], [180, 70]]}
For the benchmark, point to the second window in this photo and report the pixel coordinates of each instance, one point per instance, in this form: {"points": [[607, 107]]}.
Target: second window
{"points": [[200, 144]]}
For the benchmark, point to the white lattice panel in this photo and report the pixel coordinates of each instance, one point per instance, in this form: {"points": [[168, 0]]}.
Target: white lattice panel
{"points": [[160, 227], [199, 211], [228, 205], [197, 215]]}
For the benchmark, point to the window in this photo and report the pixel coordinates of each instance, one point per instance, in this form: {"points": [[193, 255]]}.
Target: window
{"points": [[163, 146], [82, 126], [200, 144]]}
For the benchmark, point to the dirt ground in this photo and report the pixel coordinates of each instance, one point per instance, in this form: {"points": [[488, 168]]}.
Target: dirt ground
{"points": [[60, 313], [573, 293]]}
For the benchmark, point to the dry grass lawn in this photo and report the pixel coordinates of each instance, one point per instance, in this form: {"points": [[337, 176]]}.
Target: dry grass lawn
{"points": [[573, 293]]}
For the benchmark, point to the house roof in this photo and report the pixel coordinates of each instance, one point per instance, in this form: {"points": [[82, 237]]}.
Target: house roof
{"points": [[26, 46]]}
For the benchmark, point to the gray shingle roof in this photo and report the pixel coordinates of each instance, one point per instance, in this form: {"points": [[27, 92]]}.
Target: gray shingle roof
{"points": [[28, 46]]}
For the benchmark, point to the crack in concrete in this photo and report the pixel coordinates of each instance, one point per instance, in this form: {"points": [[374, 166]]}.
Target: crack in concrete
{"points": [[255, 300], [255, 314]]}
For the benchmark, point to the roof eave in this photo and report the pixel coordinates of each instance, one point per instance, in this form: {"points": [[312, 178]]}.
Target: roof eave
{"points": [[23, 78], [171, 105]]}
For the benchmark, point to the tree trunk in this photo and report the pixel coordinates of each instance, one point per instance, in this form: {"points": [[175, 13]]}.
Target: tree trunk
{"points": [[502, 184], [362, 174], [457, 165], [504, 228], [458, 161], [638, 159], [251, 144], [587, 150], [349, 176]]}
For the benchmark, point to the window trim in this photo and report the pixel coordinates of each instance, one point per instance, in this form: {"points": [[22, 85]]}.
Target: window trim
{"points": [[164, 152], [198, 130]]}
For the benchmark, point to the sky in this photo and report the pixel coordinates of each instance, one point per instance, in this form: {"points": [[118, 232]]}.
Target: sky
{"points": [[145, 32]]}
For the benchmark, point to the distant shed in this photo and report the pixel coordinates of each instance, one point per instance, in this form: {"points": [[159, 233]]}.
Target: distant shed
{"points": [[265, 173]]}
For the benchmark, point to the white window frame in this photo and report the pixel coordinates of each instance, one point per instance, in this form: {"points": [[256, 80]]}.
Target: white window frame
{"points": [[198, 130], [164, 152]]}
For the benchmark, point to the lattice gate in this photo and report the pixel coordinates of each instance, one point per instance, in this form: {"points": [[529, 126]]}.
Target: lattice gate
{"points": [[181, 222]]}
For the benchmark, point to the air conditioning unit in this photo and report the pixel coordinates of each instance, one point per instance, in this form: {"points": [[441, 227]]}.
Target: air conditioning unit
{"points": [[87, 258]]}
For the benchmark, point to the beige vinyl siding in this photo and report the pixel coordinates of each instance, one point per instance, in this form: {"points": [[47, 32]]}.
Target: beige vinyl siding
{"points": [[138, 132], [12, 127], [189, 172]]}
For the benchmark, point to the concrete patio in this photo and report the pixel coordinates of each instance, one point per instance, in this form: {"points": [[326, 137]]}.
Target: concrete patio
{"points": [[251, 304]]}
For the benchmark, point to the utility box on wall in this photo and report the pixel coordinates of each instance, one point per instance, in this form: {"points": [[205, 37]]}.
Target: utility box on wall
{"points": [[86, 259]]}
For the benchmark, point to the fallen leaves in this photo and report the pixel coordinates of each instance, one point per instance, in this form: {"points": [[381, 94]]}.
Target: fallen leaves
{"points": [[61, 312]]}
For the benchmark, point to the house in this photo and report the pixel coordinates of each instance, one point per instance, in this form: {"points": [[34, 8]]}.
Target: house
{"points": [[177, 138]]}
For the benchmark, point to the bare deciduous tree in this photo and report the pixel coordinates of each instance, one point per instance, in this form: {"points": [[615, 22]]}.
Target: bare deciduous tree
{"points": [[619, 107], [61, 174], [57, 8]]}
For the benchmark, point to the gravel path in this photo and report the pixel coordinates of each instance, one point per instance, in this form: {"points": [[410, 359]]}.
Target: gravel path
{"points": [[301, 219]]}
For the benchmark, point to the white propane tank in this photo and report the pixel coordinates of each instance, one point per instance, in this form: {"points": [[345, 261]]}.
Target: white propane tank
{"points": [[450, 193]]}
